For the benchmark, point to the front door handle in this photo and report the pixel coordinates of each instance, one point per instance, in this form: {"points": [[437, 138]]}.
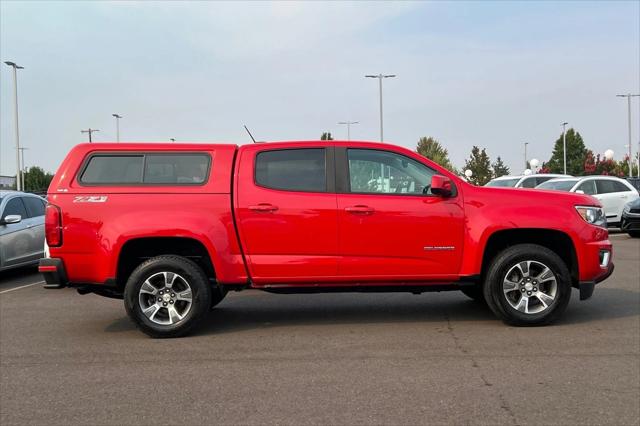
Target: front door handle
{"points": [[263, 207], [359, 209]]}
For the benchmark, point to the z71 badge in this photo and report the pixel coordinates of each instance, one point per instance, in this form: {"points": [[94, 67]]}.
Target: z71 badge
{"points": [[90, 199]]}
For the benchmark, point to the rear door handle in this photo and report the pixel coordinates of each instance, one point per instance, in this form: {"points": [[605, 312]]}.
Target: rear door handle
{"points": [[263, 207], [359, 209]]}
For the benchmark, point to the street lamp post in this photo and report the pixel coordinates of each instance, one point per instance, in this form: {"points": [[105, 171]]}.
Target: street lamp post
{"points": [[629, 96], [380, 77], [118, 117], [564, 145], [526, 163], [348, 123], [24, 167], [15, 102]]}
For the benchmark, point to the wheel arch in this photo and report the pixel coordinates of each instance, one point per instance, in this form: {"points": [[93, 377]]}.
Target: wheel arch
{"points": [[557, 241], [136, 250]]}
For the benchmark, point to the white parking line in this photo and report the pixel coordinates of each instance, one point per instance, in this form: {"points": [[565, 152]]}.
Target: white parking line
{"points": [[22, 286]]}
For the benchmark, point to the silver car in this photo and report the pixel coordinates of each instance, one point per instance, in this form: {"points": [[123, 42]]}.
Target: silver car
{"points": [[21, 229]]}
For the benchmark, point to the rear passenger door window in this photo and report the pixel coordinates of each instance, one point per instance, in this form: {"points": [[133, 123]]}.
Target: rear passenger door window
{"points": [[608, 186], [292, 170], [35, 206], [588, 187]]}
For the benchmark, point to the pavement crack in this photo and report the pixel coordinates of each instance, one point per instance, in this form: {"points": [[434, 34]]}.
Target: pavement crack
{"points": [[504, 405]]}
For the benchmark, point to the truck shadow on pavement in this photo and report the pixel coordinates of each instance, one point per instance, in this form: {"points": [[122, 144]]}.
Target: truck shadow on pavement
{"points": [[18, 274], [256, 310]]}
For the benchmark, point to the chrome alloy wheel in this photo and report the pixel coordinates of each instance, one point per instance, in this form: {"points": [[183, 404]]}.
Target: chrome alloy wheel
{"points": [[530, 287], [165, 298]]}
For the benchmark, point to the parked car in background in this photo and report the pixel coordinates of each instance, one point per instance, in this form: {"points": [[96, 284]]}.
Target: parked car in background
{"points": [[630, 222], [635, 182], [522, 181], [21, 229], [611, 191]]}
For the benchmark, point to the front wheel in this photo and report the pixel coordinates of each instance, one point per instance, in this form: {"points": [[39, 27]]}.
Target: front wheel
{"points": [[167, 296], [528, 284]]}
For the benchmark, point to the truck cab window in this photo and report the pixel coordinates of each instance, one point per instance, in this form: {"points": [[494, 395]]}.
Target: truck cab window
{"points": [[292, 169], [382, 172]]}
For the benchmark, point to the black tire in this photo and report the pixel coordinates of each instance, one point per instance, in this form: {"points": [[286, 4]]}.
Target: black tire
{"points": [[201, 295], [634, 234], [504, 262], [474, 292]]}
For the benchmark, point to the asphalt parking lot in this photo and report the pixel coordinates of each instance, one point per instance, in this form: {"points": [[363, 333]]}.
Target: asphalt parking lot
{"points": [[331, 359]]}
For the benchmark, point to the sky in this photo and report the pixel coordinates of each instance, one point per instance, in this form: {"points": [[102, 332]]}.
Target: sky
{"points": [[491, 74]]}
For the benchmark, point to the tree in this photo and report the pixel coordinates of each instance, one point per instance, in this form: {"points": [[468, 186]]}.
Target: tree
{"points": [[434, 151], [499, 168], [576, 155], [326, 136], [37, 180], [480, 165]]}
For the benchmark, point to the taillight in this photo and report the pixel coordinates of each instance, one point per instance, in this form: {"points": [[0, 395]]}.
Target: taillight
{"points": [[53, 225]]}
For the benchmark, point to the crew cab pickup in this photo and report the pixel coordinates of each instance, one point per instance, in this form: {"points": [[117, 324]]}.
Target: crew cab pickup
{"points": [[171, 228]]}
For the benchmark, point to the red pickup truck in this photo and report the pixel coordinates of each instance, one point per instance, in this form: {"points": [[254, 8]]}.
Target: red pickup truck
{"points": [[170, 228]]}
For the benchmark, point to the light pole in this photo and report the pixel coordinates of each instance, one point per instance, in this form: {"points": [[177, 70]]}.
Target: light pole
{"points": [[24, 167], [348, 123], [380, 77], [118, 117], [564, 145], [526, 163], [15, 102], [90, 131], [629, 96]]}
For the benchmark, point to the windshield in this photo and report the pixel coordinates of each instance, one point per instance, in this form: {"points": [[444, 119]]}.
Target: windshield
{"points": [[504, 182], [558, 185]]}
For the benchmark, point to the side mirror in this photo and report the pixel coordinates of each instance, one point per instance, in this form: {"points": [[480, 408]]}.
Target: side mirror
{"points": [[12, 218], [441, 186]]}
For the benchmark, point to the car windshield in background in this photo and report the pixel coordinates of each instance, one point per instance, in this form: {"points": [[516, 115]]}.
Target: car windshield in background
{"points": [[558, 185], [504, 182]]}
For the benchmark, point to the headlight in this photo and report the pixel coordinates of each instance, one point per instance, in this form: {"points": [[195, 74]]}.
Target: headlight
{"points": [[593, 215], [627, 208]]}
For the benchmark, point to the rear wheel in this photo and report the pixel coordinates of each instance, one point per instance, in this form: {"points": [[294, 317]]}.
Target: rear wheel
{"points": [[528, 284], [167, 296], [634, 234]]}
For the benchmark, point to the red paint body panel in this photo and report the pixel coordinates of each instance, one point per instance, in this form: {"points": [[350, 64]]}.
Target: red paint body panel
{"points": [[265, 237], [297, 242], [95, 232]]}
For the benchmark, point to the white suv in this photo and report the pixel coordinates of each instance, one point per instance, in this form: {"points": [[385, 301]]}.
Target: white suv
{"points": [[523, 181], [611, 191]]}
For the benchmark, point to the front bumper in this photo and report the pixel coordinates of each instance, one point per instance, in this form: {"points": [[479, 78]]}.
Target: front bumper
{"points": [[586, 287], [53, 272], [630, 222]]}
